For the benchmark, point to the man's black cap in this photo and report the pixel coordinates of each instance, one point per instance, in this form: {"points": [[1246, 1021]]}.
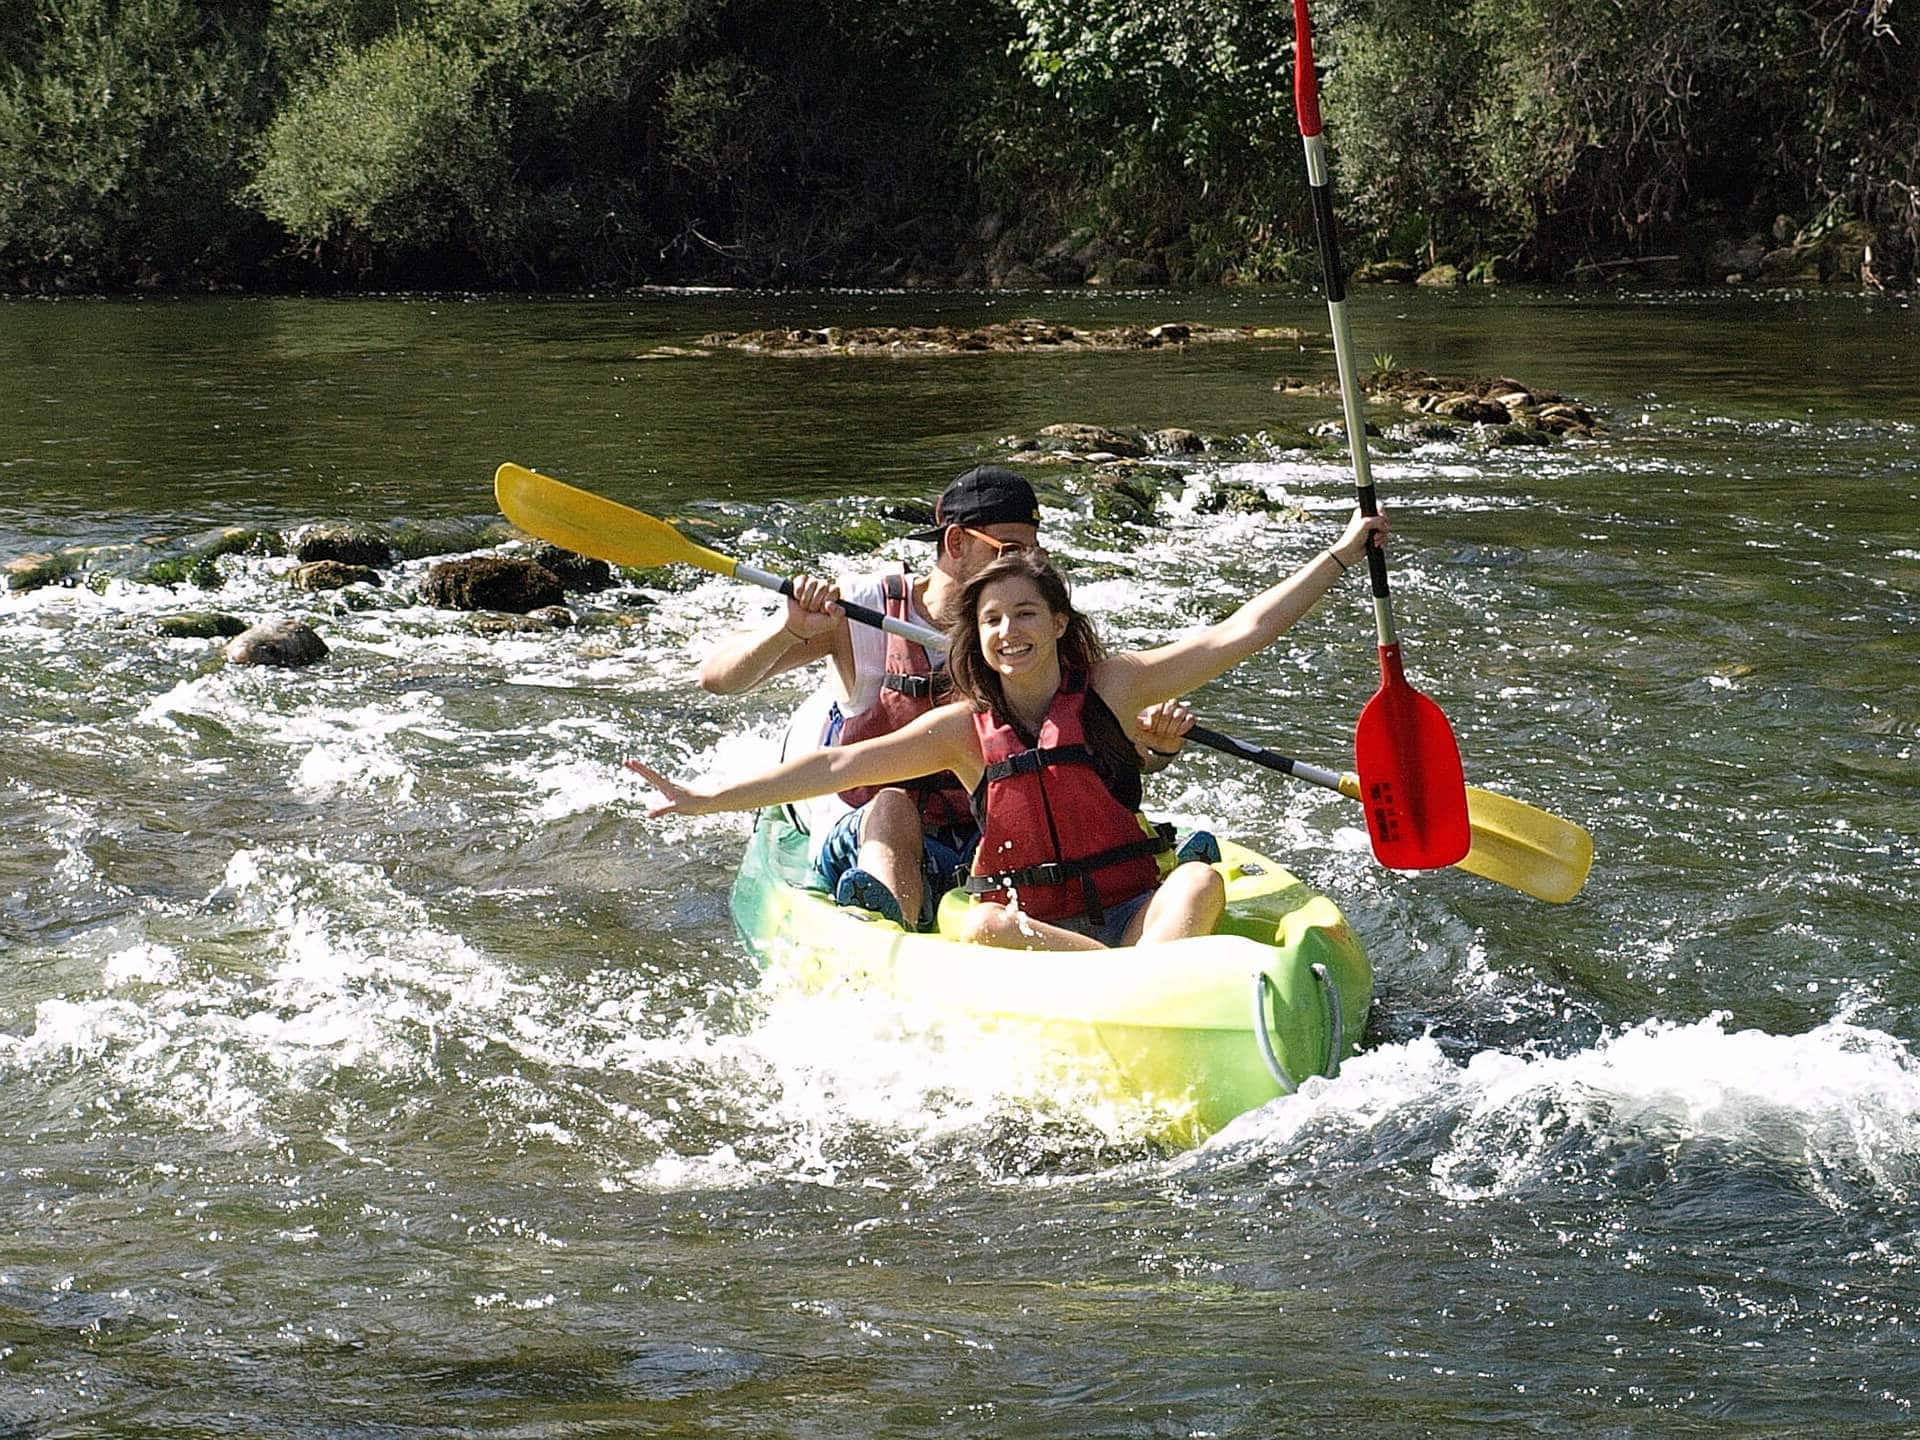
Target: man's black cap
{"points": [[985, 495]]}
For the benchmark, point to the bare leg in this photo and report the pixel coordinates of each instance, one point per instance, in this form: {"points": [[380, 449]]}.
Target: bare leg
{"points": [[1190, 901], [1006, 928], [892, 850]]}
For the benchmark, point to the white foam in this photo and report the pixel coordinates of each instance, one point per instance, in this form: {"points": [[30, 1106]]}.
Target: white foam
{"points": [[1838, 1098]]}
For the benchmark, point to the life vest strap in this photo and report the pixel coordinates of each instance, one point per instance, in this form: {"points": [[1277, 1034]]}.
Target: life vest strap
{"points": [[918, 687], [1058, 872], [1029, 762]]}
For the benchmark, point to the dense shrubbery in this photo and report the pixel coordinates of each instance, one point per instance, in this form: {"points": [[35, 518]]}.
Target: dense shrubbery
{"points": [[575, 142]]}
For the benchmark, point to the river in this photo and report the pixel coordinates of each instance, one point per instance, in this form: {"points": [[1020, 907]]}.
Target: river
{"points": [[373, 1067]]}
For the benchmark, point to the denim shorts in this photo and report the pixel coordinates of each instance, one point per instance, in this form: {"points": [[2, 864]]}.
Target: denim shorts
{"points": [[943, 859], [1113, 922]]}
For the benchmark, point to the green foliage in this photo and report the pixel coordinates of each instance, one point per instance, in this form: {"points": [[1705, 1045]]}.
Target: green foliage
{"points": [[1157, 124], [570, 142], [1520, 124], [1401, 137], [389, 145], [123, 137]]}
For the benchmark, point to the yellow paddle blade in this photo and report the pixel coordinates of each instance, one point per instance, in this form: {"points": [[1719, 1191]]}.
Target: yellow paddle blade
{"points": [[592, 525], [1526, 849], [1518, 845]]}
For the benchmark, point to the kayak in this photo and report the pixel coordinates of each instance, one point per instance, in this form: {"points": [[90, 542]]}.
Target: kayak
{"points": [[1202, 1029]]}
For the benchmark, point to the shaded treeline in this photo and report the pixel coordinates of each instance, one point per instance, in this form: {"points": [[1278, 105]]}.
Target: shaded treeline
{"points": [[564, 143]]}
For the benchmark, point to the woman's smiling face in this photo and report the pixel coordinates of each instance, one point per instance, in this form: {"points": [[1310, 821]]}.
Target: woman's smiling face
{"points": [[1017, 629]]}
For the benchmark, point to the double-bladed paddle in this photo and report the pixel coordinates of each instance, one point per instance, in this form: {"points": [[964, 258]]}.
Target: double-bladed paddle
{"points": [[1512, 844], [590, 524], [1410, 774]]}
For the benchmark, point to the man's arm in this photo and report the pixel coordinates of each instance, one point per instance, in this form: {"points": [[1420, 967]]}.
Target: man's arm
{"points": [[804, 631]]}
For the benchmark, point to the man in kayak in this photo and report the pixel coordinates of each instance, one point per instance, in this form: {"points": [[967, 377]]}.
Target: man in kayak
{"points": [[893, 849], [1034, 738]]}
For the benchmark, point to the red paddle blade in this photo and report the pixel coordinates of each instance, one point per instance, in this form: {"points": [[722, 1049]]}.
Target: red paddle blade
{"points": [[1411, 779]]}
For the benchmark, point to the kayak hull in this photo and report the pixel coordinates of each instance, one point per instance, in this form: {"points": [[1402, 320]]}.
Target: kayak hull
{"points": [[1174, 1025]]}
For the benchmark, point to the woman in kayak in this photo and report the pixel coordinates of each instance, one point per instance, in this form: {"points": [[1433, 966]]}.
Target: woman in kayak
{"points": [[1064, 860]]}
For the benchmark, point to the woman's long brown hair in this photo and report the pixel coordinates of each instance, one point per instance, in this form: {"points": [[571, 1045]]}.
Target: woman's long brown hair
{"points": [[973, 677]]}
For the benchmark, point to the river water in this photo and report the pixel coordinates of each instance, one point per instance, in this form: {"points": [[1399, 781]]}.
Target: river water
{"points": [[374, 1068]]}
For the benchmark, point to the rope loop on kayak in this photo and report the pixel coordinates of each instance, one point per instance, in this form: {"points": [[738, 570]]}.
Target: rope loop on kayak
{"points": [[1336, 1028]]}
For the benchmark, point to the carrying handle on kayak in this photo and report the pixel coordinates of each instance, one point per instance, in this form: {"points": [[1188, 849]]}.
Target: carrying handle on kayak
{"points": [[1336, 1028]]}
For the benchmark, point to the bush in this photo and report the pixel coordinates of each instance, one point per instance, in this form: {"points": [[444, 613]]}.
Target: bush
{"points": [[124, 131]]}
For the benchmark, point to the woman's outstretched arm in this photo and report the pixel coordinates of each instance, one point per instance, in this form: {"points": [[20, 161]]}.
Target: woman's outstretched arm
{"points": [[940, 740]]}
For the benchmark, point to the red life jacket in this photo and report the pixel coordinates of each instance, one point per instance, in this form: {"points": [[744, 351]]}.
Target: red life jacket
{"points": [[1051, 829], [911, 686]]}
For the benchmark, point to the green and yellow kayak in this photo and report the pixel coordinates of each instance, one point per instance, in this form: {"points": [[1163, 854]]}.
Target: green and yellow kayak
{"points": [[1204, 1029]]}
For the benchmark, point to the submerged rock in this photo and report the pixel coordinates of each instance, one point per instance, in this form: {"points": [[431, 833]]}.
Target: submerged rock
{"points": [[332, 575], [1174, 441], [1095, 440], [538, 622], [286, 643], [575, 572], [1025, 336], [1491, 401], [491, 582], [417, 539]]}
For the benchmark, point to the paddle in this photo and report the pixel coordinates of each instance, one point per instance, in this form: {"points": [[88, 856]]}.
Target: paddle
{"points": [[590, 524], [1410, 774], [1513, 844]]}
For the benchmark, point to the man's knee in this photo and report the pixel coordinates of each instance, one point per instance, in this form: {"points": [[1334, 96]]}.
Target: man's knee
{"points": [[893, 816]]}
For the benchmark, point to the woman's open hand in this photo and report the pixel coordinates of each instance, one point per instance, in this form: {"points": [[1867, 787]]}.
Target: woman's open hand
{"points": [[675, 799]]}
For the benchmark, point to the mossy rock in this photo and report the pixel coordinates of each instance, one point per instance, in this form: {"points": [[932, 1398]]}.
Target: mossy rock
{"points": [[1114, 506], [1386, 272], [671, 578], [196, 570], [417, 539], [238, 540], [1424, 432], [1517, 435], [347, 544], [1232, 498], [1279, 439], [200, 625], [862, 535], [38, 570], [1174, 441]]}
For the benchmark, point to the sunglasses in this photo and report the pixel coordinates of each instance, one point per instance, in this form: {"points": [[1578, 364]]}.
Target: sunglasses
{"points": [[1000, 547]]}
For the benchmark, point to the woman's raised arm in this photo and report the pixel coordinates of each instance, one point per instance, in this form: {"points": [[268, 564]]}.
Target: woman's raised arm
{"points": [[1133, 680]]}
